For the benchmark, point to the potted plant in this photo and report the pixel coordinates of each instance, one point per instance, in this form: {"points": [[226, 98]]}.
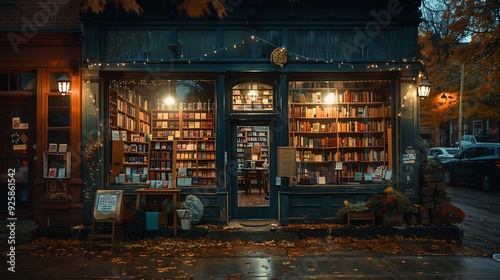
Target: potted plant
{"points": [[450, 213], [190, 211], [354, 211], [391, 205]]}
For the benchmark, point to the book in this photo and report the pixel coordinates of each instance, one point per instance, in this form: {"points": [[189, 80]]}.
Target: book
{"points": [[115, 135], [123, 135], [61, 172], [135, 138], [52, 172], [53, 147], [182, 172], [63, 147]]}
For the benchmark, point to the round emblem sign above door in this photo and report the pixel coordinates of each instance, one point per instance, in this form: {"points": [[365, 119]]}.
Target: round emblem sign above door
{"points": [[279, 57]]}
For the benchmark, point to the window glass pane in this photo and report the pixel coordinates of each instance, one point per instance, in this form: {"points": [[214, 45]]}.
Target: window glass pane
{"points": [[27, 81], [253, 97], [340, 131], [58, 136], [4, 82], [59, 111]]}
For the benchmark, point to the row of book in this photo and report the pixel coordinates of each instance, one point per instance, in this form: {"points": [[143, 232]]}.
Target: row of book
{"points": [[193, 133], [338, 96], [126, 107], [131, 178], [135, 147], [125, 121], [199, 124], [141, 159], [368, 155], [163, 176], [195, 181], [303, 141], [165, 155], [160, 165], [196, 116]]}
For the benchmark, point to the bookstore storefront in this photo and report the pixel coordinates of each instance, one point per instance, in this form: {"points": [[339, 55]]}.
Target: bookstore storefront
{"points": [[230, 117], [253, 150]]}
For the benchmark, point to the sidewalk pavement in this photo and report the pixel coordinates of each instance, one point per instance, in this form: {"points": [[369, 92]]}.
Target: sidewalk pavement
{"points": [[326, 257]]}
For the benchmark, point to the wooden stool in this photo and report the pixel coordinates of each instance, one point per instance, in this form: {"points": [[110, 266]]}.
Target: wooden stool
{"points": [[95, 233]]}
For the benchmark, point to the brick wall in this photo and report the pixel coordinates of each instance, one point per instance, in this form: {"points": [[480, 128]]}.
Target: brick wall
{"points": [[44, 15]]}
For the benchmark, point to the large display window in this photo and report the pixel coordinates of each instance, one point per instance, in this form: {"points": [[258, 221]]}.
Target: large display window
{"points": [[162, 133], [341, 131]]}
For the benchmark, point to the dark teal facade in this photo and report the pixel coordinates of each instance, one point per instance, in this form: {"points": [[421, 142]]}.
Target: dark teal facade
{"points": [[325, 40]]}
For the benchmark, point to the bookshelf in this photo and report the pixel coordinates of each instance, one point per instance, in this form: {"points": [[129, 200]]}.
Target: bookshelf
{"points": [[339, 129], [128, 113], [252, 97], [161, 162], [129, 162], [57, 165], [194, 163], [254, 139], [184, 143]]}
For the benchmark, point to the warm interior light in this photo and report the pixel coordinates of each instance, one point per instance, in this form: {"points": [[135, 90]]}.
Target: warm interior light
{"points": [[330, 98], [252, 95], [63, 83], [169, 100]]}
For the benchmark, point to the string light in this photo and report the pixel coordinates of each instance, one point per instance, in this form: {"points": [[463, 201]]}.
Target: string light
{"points": [[252, 38]]}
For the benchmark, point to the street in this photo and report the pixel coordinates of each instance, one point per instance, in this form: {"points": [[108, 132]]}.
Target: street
{"points": [[481, 209]]}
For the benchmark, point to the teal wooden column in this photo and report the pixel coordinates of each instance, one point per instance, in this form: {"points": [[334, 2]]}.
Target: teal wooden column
{"points": [[407, 163], [282, 140], [220, 143]]}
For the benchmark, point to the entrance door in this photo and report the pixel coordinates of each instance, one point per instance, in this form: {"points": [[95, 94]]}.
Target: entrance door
{"points": [[17, 139], [251, 163]]}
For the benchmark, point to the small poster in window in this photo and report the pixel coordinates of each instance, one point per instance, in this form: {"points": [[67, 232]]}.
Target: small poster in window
{"points": [[61, 172], [63, 147], [16, 123], [53, 147], [52, 172]]}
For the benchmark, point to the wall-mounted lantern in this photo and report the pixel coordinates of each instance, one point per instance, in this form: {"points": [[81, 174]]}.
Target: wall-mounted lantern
{"points": [[63, 84], [424, 88]]}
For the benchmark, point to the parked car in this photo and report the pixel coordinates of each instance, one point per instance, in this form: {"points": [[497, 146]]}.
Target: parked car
{"points": [[467, 140], [441, 154], [478, 164]]}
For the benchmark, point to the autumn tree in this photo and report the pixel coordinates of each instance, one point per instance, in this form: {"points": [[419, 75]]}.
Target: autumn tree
{"points": [[446, 27], [193, 8]]}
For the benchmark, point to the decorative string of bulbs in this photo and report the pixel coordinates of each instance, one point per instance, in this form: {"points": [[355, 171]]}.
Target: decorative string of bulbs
{"points": [[392, 66]]}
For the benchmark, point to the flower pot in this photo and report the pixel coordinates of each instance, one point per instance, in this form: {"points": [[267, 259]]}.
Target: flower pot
{"points": [[365, 215], [184, 216], [185, 224]]}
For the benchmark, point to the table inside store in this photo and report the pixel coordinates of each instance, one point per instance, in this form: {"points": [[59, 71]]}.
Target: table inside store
{"points": [[260, 176], [144, 192]]}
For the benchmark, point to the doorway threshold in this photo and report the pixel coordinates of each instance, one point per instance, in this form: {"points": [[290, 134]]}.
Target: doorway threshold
{"points": [[253, 223]]}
